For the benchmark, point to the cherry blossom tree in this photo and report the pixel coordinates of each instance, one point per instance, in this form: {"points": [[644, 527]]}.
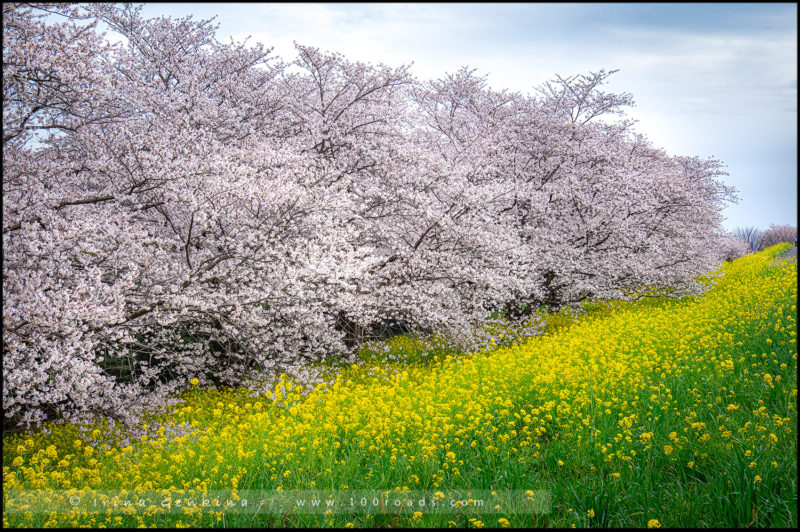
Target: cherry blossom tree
{"points": [[177, 235], [598, 211], [54, 84], [732, 247], [777, 234]]}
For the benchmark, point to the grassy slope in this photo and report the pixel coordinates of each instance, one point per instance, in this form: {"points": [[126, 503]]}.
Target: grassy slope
{"points": [[680, 411]]}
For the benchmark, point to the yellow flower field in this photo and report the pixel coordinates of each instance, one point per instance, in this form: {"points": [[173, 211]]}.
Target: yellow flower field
{"points": [[655, 413]]}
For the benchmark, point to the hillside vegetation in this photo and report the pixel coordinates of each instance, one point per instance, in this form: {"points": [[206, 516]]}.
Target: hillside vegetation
{"points": [[662, 412]]}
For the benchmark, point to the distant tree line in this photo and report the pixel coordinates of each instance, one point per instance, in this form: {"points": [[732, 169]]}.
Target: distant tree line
{"points": [[177, 207], [757, 240]]}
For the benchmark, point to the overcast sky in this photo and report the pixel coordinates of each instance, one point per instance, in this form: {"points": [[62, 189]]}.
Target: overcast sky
{"points": [[712, 80]]}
